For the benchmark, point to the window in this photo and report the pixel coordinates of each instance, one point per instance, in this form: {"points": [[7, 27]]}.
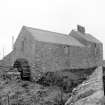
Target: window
{"points": [[66, 49]]}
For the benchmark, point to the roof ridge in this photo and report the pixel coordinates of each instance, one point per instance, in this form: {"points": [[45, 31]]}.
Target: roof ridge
{"points": [[26, 27], [86, 36], [54, 37]]}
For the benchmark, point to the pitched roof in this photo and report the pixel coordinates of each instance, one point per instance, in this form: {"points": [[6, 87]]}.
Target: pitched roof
{"points": [[85, 36], [53, 37]]}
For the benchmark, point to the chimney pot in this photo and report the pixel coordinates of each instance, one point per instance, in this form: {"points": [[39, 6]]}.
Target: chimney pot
{"points": [[81, 28]]}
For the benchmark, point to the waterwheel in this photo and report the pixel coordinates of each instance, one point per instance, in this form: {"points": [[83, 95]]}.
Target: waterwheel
{"points": [[23, 67]]}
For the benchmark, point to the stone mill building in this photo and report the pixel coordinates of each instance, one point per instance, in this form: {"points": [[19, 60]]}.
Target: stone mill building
{"points": [[77, 55], [51, 51]]}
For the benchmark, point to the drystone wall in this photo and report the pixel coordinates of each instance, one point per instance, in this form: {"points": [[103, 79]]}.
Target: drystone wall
{"points": [[90, 92]]}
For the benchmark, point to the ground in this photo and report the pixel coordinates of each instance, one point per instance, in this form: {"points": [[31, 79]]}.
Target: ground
{"points": [[29, 93], [14, 91]]}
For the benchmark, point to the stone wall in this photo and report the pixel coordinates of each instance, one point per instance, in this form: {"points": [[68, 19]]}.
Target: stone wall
{"points": [[24, 46], [95, 53], [51, 57], [79, 57], [90, 92]]}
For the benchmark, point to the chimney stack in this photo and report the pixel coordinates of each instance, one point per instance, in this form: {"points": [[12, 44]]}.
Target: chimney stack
{"points": [[81, 29]]}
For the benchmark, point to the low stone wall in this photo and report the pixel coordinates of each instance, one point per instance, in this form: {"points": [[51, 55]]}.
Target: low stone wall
{"points": [[90, 92]]}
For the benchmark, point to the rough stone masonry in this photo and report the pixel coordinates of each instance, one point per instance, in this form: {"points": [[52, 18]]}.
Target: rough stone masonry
{"points": [[90, 92]]}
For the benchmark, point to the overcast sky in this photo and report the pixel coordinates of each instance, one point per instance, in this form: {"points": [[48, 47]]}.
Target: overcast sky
{"points": [[53, 15]]}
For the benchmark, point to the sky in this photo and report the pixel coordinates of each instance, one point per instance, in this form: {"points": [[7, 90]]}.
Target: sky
{"points": [[54, 15]]}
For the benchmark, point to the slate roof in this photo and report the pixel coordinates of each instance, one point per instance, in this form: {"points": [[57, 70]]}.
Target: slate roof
{"points": [[53, 37], [85, 36]]}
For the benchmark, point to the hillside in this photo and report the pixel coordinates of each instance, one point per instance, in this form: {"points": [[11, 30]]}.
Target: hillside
{"points": [[52, 88]]}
